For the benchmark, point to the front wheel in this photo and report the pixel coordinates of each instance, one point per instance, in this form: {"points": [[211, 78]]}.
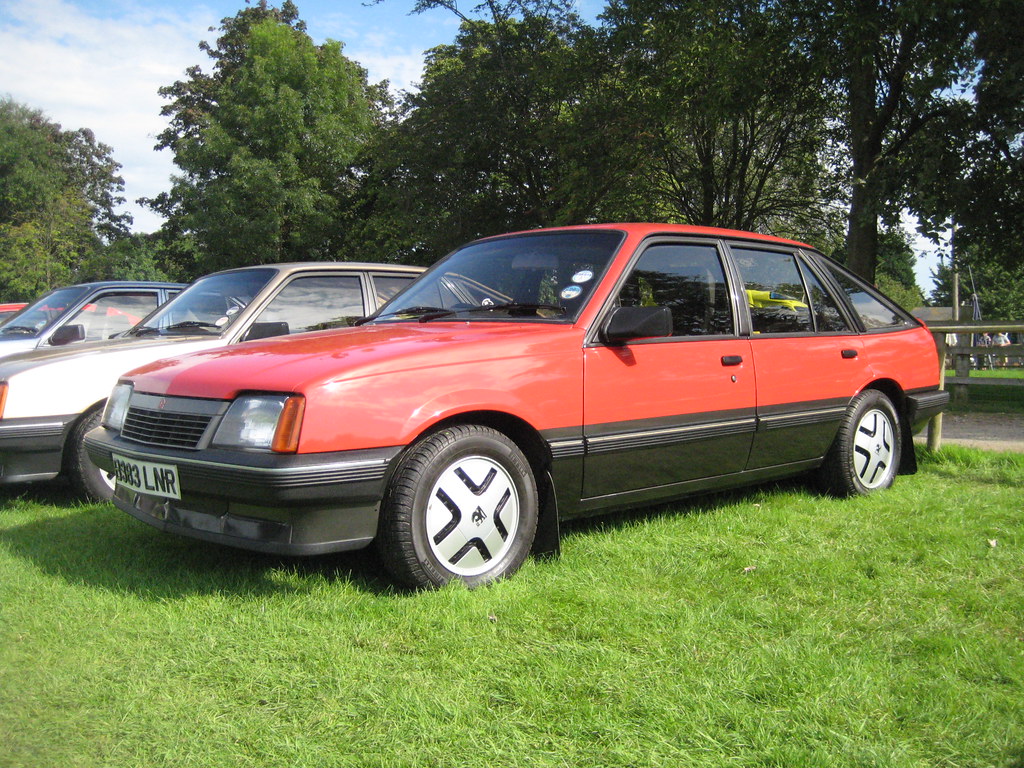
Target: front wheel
{"points": [[462, 505], [88, 480], [865, 456]]}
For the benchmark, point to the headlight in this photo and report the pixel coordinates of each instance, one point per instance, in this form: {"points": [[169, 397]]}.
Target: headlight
{"points": [[117, 407], [262, 422]]}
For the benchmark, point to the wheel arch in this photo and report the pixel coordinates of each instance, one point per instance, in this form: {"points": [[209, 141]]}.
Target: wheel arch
{"points": [[891, 389], [534, 447], [73, 428]]}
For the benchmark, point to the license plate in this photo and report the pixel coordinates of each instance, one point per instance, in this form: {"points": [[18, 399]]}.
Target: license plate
{"points": [[147, 477]]}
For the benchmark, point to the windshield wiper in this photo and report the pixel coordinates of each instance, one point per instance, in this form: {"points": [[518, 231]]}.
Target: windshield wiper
{"points": [[516, 309], [190, 325], [19, 329], [420, 312]]}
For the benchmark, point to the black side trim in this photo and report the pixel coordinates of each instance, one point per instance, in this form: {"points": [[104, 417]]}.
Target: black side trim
{"points": [[668, 435]]}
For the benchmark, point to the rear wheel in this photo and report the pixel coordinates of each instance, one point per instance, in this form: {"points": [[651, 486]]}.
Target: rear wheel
{"points": [[865, 456], [87, 479], [462, 505]]}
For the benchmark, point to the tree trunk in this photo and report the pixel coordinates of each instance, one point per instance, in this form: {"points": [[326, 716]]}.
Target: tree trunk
{"points": [[865, 146]]}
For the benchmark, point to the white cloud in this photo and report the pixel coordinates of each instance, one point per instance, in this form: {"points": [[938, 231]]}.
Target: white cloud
{"points": [[100, 66], [103, 73]]}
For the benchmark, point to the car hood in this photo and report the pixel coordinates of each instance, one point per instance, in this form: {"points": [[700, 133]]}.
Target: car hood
{"points": [[15, 344], [300, 363]]}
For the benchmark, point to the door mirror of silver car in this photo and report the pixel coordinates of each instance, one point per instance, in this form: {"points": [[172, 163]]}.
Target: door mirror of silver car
{"points": [[67, 334]]}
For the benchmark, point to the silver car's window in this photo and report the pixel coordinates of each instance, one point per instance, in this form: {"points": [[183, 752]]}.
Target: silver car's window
{"points": [[114, 313], [44, 312]]}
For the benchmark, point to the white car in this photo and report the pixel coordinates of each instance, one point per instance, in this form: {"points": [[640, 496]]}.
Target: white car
{"points": [[49, 398]]}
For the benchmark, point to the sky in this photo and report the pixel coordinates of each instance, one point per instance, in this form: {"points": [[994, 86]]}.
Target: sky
{"points": [[98, 64]]}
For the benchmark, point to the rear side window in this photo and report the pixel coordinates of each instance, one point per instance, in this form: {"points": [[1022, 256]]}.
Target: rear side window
{"points": [[386, 287], [774, 291], [874, 311], [690, 281], [827, 317]]}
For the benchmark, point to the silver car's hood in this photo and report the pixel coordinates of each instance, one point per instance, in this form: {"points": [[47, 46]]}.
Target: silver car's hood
{"points": [[15, 345]]}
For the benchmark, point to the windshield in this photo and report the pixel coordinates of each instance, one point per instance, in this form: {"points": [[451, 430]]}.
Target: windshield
{"points": [[207, 307], [44, 312], [545, 276]]}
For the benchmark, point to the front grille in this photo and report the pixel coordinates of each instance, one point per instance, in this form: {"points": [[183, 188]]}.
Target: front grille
{"points": [[171, 430]]}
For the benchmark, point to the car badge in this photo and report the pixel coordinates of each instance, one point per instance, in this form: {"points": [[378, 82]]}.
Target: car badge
{"points": [[162, 403]]}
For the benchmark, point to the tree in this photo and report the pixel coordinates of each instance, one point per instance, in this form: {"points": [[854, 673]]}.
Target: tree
{"points": [[970, 163], [58, 196], [266, 145], [999, 287], [506, 132], [729, 122], [898, 69]]}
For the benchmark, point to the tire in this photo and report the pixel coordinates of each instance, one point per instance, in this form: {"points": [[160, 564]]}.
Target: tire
{"points": [[865, 456], [88, 480], [462, 505]]}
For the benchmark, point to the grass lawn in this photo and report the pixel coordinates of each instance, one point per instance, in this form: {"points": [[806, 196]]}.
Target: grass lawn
{"points": [[768, 627]]}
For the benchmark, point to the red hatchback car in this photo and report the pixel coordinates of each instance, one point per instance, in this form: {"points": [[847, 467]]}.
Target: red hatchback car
{"points": [[523, 380]]}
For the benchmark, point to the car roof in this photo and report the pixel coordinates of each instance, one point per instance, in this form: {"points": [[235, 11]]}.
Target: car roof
{"points": [[300, 266], [100, 284], [645, 229]]}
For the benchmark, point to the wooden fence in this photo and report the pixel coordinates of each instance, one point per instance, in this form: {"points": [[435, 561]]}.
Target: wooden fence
{"points": [[960, 354]]}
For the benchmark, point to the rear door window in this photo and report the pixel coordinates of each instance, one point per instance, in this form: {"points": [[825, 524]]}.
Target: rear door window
{"points": [[774, 291]]}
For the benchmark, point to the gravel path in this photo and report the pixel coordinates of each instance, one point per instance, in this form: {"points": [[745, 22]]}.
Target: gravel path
{"points": [[991, 431]]}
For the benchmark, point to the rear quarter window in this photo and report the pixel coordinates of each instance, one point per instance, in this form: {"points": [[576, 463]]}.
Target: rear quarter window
{"points": [[874, 310]]}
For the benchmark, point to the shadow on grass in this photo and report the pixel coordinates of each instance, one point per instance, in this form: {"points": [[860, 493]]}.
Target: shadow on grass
{"points": [[698, 504], [99, 546]]}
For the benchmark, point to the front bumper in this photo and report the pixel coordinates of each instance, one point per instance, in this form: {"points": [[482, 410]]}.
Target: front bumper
{"points": [[300, 504], [33, 449]]}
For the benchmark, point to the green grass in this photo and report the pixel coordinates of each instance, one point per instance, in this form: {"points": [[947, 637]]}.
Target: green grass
{"points": [[767, 627]]}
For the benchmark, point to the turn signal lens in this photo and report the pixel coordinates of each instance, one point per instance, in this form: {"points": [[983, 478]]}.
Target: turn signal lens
{"points": [[117, 407], [3, 397], [286, 437]]}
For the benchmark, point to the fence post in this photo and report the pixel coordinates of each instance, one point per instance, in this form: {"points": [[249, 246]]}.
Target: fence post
{"points": [[935, 425]]}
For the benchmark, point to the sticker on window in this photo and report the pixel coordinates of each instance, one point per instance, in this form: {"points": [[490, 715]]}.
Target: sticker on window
{"points": [[571, 292], [583, 276]]}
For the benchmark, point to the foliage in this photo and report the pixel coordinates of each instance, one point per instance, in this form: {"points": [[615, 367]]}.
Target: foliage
{"points": [[127, 258], [1000, 287], [972, 161], [265, 144], [58, 194], [728, 119], [507, 132], [768, 626]]}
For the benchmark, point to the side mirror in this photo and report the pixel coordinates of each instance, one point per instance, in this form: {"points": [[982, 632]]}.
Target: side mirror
{"points": [[67, 334], [628, 323], [266, 331]]}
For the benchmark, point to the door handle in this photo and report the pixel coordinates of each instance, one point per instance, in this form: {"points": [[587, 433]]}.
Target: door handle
{"points": [[849, 354], [731, 359]]}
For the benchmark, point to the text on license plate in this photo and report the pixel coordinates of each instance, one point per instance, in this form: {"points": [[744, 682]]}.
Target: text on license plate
{"points": [[147, 476]]}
